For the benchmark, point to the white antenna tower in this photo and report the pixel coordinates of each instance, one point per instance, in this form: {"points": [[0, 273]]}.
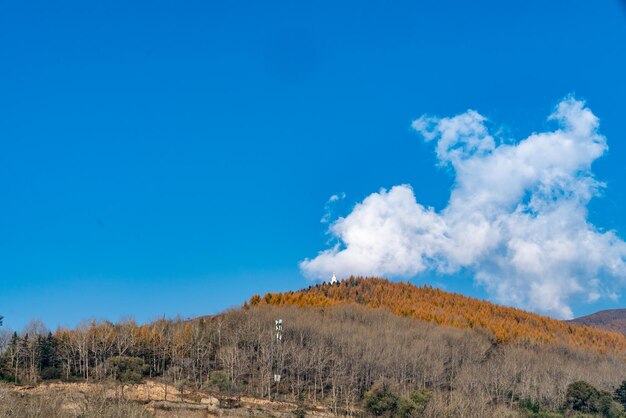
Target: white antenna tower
{"points": [[279, 330], [279, 340]]}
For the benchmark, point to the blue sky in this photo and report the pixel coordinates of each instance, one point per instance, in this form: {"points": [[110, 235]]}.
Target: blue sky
{"points": [[159, 158]]}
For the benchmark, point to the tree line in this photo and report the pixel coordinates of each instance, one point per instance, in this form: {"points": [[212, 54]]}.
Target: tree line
{"points": [[332, 356], [339, 355]]}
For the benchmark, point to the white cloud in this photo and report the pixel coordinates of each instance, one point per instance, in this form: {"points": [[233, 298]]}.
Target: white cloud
{"points": [[329, 206], [516, 218]]}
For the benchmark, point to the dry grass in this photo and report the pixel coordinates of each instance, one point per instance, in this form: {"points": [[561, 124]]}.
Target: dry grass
{"points": [[67, 404], [100, 400]]}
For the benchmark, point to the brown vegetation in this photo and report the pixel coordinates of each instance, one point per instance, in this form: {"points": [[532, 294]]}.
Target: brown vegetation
{"points": [[445, 308], [64, 402], [334, 349]]}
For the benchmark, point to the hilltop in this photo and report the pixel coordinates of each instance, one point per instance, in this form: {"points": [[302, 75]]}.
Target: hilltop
{"points": [[612, 320], [426, 303]]}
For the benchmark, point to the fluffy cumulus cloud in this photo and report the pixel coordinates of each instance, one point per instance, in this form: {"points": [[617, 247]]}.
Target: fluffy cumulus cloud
{"points": [[516, 218]]}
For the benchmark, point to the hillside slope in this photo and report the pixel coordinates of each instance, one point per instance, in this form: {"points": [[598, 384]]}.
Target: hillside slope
{"points": [[340, 345], [612, 320], [445, 308], [329, 359]]}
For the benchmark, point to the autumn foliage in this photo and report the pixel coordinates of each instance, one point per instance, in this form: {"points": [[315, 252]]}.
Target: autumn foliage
{"points": [[435, 353], [426, 303]]}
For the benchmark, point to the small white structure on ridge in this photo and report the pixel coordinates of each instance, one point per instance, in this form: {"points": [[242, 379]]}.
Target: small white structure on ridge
{"points": [[333, 279]]}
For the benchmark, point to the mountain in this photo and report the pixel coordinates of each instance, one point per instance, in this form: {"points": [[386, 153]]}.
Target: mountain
{"points": [[504, 324], [612, 320]]}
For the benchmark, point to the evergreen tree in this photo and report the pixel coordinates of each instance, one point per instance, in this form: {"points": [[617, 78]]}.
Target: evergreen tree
{"points": [[48, 357], [581, 396], [14, 356]]}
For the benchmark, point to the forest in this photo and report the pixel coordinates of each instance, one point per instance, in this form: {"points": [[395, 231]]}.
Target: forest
{"points": [[363, 347], [435, 305]]}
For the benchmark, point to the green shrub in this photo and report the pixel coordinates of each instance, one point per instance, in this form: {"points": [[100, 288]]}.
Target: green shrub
{"points": [[583, 397], [607, 407], [128, 369], [405, 408], [620, 394], [220, 380], [380, 400], [530, 406], [421, 398]]}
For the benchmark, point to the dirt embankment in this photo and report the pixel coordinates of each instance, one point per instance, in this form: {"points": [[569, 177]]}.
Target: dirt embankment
{"points": [[161, 400]]}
